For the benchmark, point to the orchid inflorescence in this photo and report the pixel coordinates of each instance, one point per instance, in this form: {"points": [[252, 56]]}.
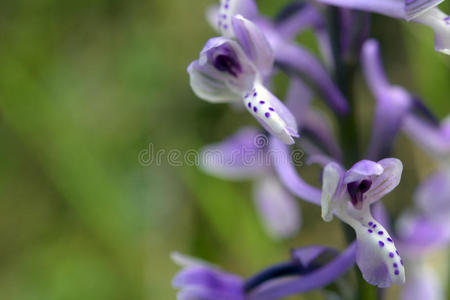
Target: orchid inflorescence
{"points": [[237, 68]]}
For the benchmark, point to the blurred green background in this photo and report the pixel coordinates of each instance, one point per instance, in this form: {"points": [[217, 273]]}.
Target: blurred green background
{"points": [[85, 86]]}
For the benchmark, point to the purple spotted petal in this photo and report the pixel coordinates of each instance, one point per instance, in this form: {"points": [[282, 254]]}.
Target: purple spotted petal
{"points": [[315, 280], [415, 8], [272, 114], [299, 61], [229, 9], [387, 181], [392, 8], [393, 102], [241, 156], [279, 211], [422, 283], [363, 169], [206, 283], [440, 22], [289, 176], [376, 255], [254, 43], [433, 195]]}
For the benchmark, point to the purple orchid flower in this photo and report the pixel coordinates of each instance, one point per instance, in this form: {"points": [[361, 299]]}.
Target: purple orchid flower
{"points": [[349, 194], [393, 102], [245, 155], [230, 71], [279, 35], [419, 11], [309, 269]]}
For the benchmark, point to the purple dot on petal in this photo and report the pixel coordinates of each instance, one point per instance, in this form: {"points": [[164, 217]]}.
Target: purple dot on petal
{"points": [[370, 230], [395, 265], [389, 239], [396, 251], [249, 105], [370, 223], [226, 6], [254, 94], [381, 243], [262, 102], [380, 232], [225, 26], [391, 255], [267, 114], [396, 272], [255, 109], [401, 261], [246, 95], [374, 226], [271, 109]]}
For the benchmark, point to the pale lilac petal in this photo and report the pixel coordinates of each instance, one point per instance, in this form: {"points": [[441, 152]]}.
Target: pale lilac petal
{"points": [[298, 99], [333, 175], [254, 43], [435, 140], [306, 255], [229, 9], [422, 284], [433, 194], [279, 211], [392, 8], [306, 17], [298, 61], [381, 215], [289, 176], [420, 234], [362, 170], [209, 85], [440, 22], [315, 280], [415, 8], [393, 102], [387, 181], [271, 113], [241, 156]]}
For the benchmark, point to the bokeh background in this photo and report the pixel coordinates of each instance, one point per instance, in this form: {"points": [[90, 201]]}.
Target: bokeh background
{"points": [[87, 85]]}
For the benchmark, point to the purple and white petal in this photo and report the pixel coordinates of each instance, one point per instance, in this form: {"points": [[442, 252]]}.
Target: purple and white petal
{"points": [[241, 156], [273, 115], [440, 22], [213, 17], [387, 181], [288, 174], [298, 99], [414, 8], [229, 9], [278, 209], [376, 254], [254, 43]]}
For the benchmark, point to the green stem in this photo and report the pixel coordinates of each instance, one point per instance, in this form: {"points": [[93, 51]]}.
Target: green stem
{"points": [[348, 132]]}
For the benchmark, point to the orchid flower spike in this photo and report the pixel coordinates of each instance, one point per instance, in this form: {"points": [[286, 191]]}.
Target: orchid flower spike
{"points": [[246, 156], [349, 195], [419, 11], [230, 71], [201, 280]]}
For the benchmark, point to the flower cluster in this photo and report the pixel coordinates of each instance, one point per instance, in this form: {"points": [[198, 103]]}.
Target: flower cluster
{"points": [[237, 67]]}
